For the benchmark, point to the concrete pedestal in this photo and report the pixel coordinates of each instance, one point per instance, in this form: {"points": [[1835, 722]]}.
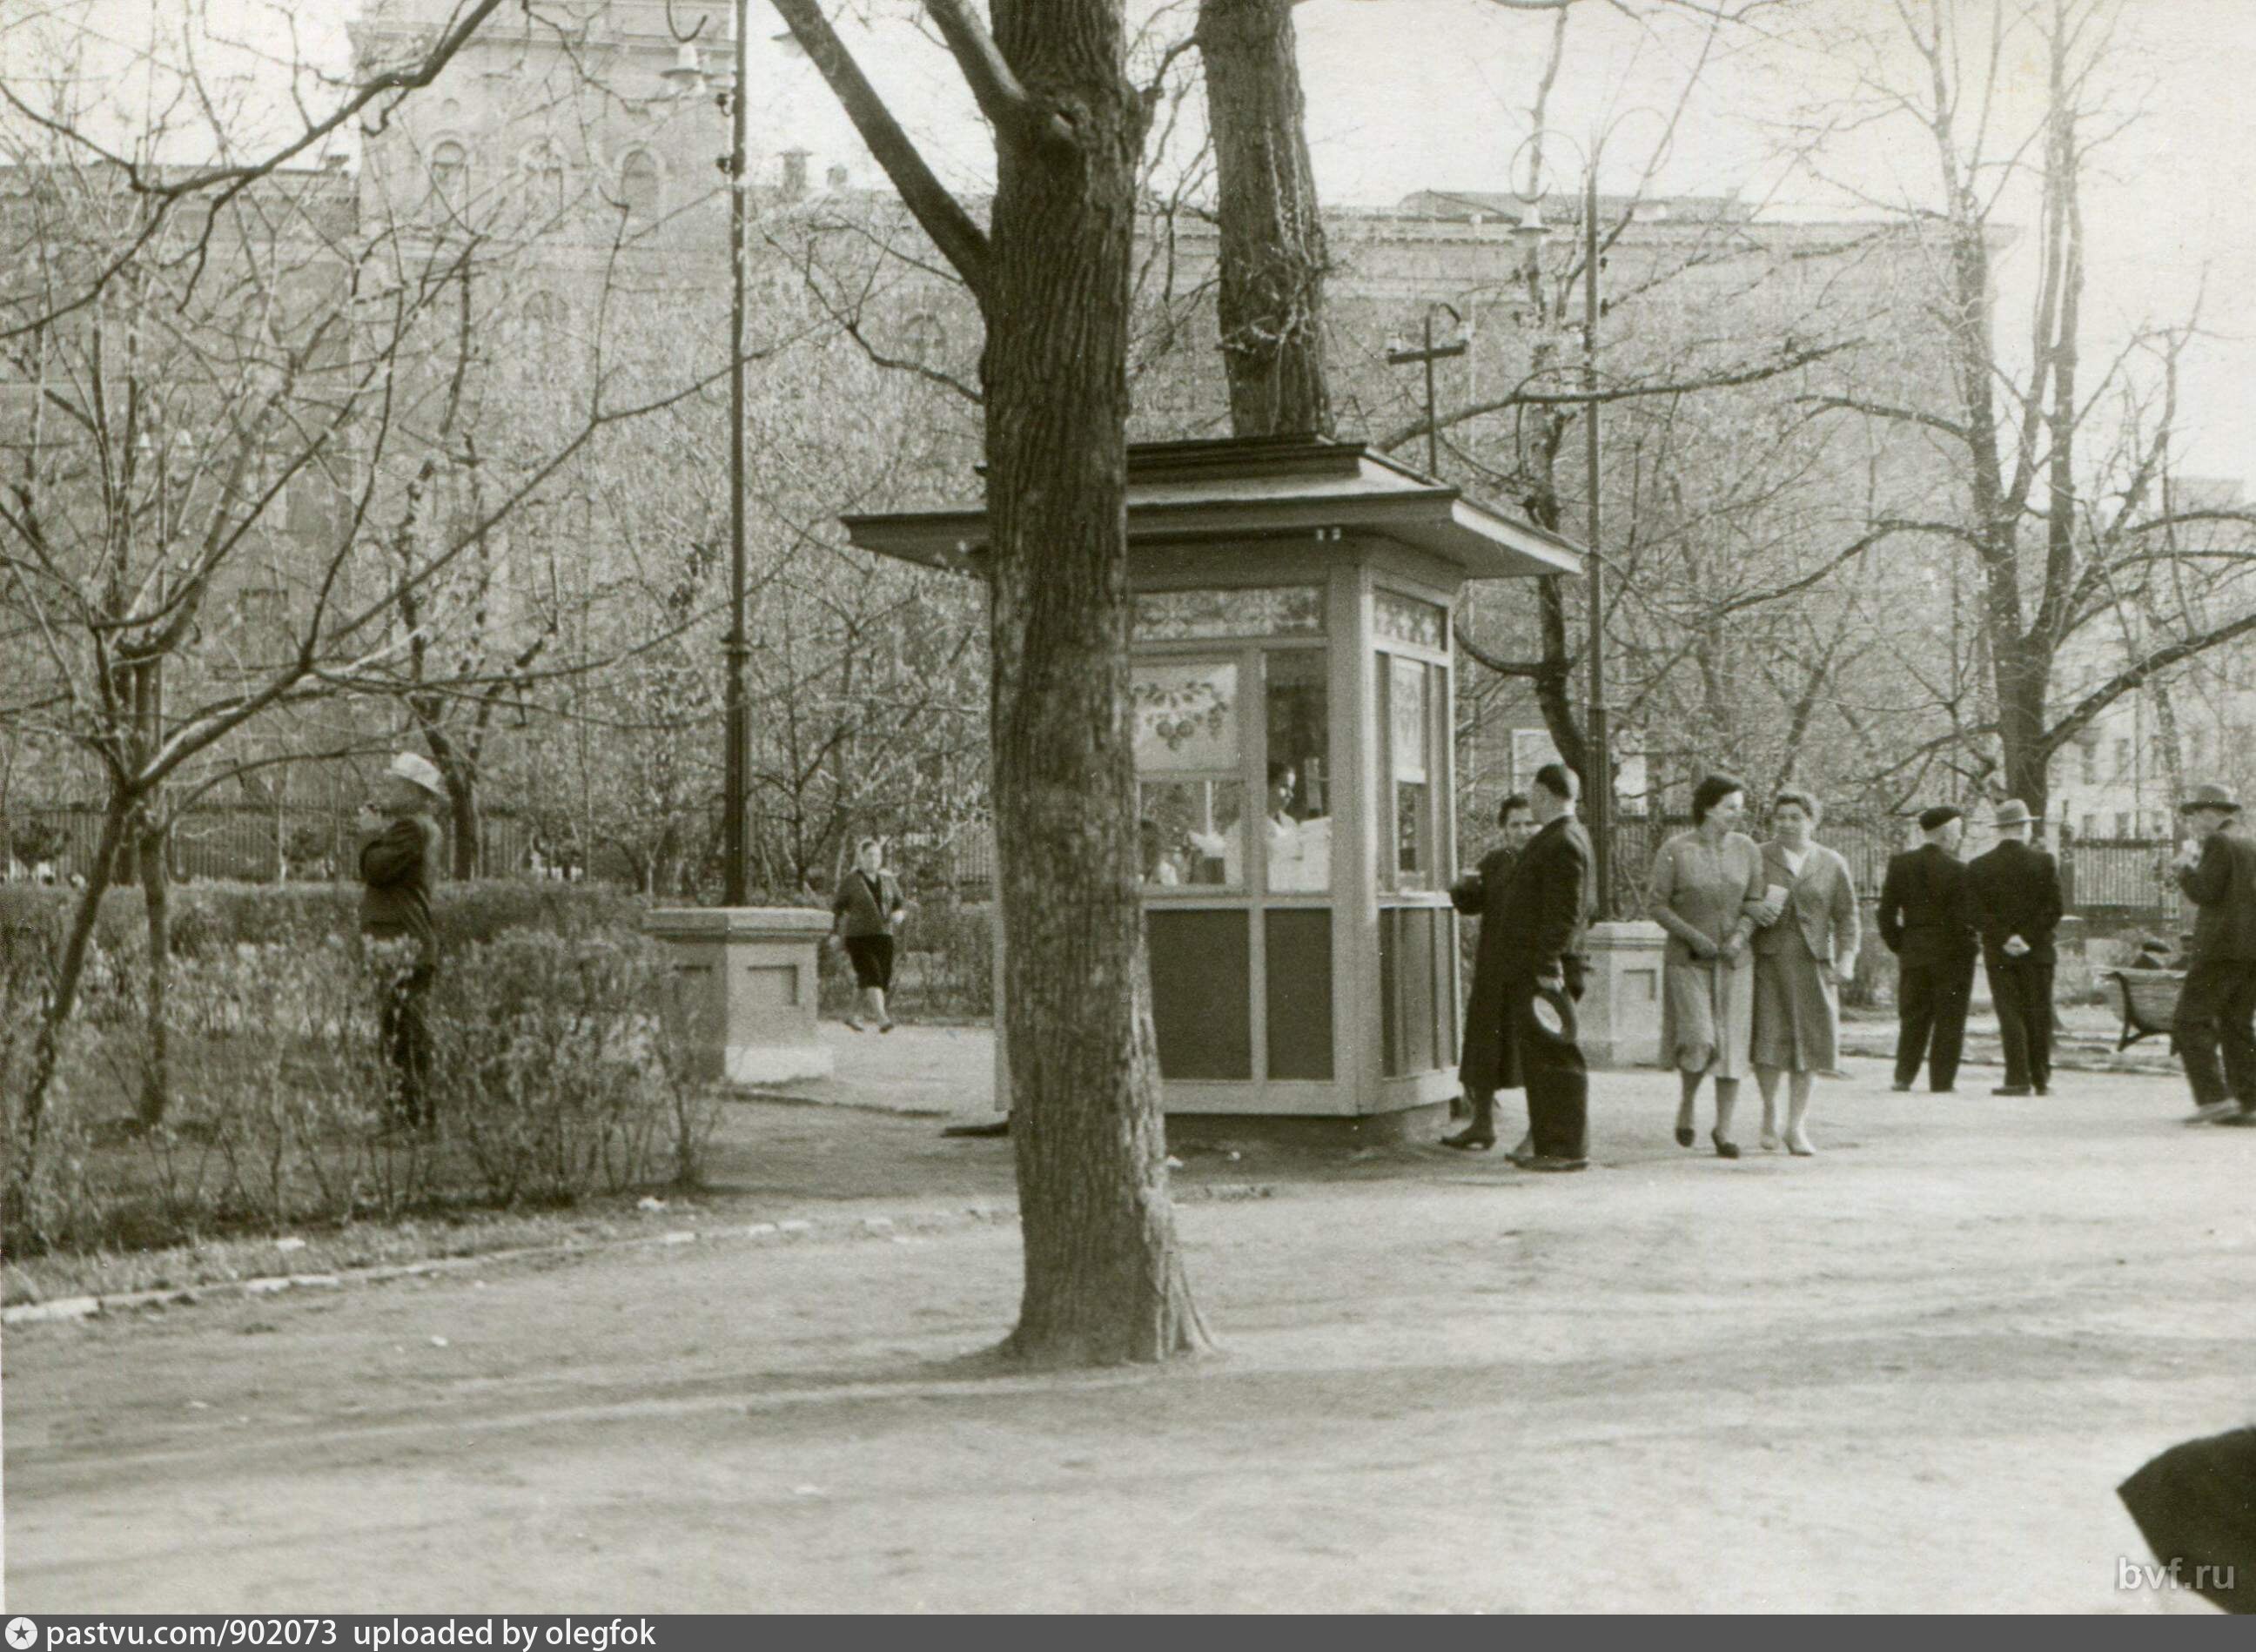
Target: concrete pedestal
{"points": [[1620, 1011], [747, 990]]}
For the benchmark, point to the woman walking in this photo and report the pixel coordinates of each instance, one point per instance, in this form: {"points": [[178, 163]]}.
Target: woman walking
{"points": [[1802, 957], [867, 911], [399, 857], [1707, 893]]}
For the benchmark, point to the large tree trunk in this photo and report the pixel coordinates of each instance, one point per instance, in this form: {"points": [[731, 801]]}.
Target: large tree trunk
{"points": [[1271, 301], [1104, 1279]]}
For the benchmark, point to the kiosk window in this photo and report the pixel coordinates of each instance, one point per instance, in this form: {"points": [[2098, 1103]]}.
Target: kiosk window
{"points": [[1191, 819], [1296, 824], [1405, 727]]}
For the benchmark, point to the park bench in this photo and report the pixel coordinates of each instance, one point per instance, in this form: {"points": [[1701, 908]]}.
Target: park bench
{"points": [[2150, 1003]]}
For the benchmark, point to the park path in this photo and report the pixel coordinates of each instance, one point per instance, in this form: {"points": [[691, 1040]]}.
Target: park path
{"points": [[1907, 1374]]}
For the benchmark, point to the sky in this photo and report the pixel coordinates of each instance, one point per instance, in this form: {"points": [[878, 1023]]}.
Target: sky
{"points": [[1408, 95]]}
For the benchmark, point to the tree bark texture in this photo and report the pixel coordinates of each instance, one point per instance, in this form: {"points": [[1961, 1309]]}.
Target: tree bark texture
{"points": [[1271, 297], [1105, 1281]]}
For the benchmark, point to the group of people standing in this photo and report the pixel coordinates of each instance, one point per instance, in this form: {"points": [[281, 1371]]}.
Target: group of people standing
{"points": [[1937, 913], [1761, 936]]}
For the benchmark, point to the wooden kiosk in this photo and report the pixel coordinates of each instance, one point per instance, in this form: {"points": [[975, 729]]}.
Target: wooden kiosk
{"points": [[1294, 711]]}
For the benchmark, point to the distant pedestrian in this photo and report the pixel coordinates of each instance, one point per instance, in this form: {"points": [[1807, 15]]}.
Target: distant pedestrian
{"points": [[1708, 892], [1924, 919], [1802, 957], [867, 913], [399, 863], [2216, 869], [2016, 902], [1482, 1069]]}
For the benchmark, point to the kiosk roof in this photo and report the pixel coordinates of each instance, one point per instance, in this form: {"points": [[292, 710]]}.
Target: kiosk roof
{"points": [[1264, 488]]}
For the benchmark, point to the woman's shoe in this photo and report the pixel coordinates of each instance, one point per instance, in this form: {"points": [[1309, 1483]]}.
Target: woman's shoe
{"points": [[1684, 1136], [1798, 1143], [853, 1026], [884, 1027], [1723, 1149], [1769, 1138]]}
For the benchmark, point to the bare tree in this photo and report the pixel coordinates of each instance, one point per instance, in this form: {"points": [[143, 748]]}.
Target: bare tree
{"points": [[1104, 1278], [2055, 490]]}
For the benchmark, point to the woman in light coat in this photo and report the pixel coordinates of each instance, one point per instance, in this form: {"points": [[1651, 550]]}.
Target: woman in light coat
{"points": [[1707, 891], [1802, 957]]}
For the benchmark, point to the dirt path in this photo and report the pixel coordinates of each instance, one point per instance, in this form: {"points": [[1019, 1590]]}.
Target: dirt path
{"points": [[1905, 1374]]}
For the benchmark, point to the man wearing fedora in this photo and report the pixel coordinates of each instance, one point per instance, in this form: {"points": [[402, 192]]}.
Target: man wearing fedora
{"points": [[399, 857], [2217, 868], [1923, 920], [2013, 892]]}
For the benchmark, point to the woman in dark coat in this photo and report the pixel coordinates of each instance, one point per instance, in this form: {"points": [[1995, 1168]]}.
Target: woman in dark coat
{"points": [[867, 911], [1487, 1062]]}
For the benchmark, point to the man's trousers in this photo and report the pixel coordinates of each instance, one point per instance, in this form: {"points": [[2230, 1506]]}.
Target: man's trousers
{"points": [[1931, 1000]]}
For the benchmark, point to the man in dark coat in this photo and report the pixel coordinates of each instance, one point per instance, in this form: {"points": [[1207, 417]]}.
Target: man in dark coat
{"points": [[399, 852], [2216, 869], [1923, 921], [1546, 910], [1480, 1064], [2015, 892]]}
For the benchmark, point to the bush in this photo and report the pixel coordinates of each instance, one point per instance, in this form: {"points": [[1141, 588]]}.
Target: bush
{"points": [[555, 1078], [209, 917], [555, 1061]]}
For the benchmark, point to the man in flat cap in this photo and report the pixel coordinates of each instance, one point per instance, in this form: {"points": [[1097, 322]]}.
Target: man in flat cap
{"points": [[399, 858], [2216, 867], [1923, 921], [2016, 905]]}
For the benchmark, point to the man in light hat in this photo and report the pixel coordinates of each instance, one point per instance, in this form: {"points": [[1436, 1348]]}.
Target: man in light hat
{"points": [[2014, 896], [2216, 867], [398, 856], [1923, 920]]}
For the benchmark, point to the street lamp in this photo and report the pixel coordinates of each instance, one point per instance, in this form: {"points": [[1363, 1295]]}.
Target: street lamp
{"points": [[687, 78], [1530, 234]]}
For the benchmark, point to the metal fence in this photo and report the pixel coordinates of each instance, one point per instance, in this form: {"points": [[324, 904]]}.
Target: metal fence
{"points": [[253, 843], [2119, 879], [2115, 879]]}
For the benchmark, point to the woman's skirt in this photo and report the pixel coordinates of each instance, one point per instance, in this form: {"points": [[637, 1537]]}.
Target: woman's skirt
{"points": [[1707, 1013], [872, 957], [1797, 1016]]}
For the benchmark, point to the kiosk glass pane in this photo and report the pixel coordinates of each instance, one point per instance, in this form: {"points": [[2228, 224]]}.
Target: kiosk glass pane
{"points": [[1409, 765], [1191, 834], [1187, 718], [1297, 828]]}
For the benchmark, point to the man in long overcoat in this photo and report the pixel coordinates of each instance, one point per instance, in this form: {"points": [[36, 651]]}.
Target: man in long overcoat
{"points": [[1546, 910], [1480, 1068]]}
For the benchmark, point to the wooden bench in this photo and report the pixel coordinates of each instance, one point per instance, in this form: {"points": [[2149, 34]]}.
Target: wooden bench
{"points": [[2150, 1004]]}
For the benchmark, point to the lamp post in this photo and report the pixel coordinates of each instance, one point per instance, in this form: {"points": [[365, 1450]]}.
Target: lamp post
{"points": [[1402, 355], [1599, 803], [687, 78]]}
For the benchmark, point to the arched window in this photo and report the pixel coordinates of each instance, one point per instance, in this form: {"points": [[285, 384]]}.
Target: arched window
{"points": [[450, 173], [638, 185]]}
